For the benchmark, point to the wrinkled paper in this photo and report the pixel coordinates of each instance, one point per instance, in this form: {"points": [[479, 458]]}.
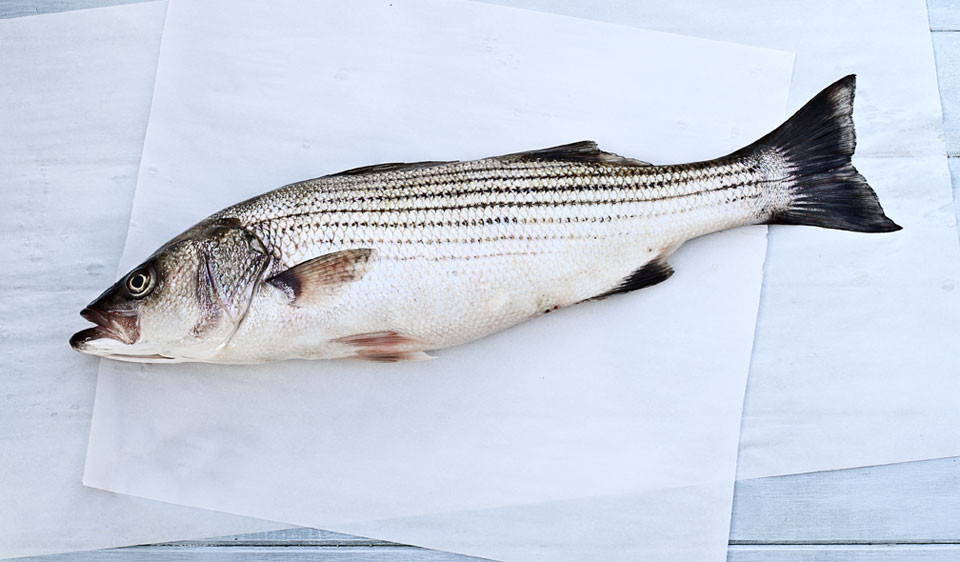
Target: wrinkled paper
{"points": [[75, 92], [636, 396], [855, 361]]}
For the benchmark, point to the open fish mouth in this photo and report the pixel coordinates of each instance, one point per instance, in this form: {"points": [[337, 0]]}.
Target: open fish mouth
{"points": [[113, 336], [119, 327]]}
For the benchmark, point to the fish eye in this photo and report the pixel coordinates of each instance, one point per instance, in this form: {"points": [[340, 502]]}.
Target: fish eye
{"points": [[140, 282]]}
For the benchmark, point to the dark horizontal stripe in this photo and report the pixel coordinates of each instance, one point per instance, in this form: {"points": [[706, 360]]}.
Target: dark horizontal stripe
{"points": [[496, 165], [480, 240], [466, 258], [501, 184], [438, 174], [475, 239], [500, 187], [503, 205]]}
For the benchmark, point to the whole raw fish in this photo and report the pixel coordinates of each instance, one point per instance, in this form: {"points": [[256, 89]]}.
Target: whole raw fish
{"points": [[389, 261]]}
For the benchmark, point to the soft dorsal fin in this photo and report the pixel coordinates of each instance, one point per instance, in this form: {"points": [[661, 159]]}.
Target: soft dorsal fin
{"points": [[389, 167], [583, 151], [311, 281]]}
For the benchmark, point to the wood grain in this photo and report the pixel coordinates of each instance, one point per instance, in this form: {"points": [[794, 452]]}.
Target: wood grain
{"points": [[944, 15], [290, 552], [917, 502], [946, 46], [955, 175], [845, 553], [18, 8]]}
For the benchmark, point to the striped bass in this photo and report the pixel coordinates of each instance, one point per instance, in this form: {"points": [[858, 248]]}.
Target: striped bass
{"points": [[390, 261]]}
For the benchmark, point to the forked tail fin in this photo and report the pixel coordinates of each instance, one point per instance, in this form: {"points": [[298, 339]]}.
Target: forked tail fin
{"points": [[810, 156]]}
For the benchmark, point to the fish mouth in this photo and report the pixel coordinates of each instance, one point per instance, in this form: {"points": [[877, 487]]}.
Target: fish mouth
{"points": [[152, 358], [121, 327]]}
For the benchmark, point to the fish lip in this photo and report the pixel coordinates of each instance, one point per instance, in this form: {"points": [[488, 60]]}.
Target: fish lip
{"points": [[118, 326], [79, 340], [152, 358]]}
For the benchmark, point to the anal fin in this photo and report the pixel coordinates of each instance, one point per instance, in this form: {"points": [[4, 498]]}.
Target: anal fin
{"points": [[654, 271], [395, 357], [385, 347]]}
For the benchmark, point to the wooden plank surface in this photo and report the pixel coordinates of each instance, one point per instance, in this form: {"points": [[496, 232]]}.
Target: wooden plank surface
{"points": [[18, 8], [944, 15], [788, 553], [895, 513], [283, 553], [946, 46], [955, 174], [844, 553], [915, 503]]}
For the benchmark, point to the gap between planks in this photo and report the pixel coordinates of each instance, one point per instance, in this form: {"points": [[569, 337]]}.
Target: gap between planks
{"points": [[946, 47], [374, 543]]}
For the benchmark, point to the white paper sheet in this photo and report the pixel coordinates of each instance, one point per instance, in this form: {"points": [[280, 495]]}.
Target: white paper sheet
{"points": [[676, 524], [855, 360], [74, 97], [599, 400]]}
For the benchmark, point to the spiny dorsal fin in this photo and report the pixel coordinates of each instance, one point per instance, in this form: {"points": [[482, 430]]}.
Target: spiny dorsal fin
{"points": [[583, 151], [389, 167], [314, 279], [654, 271]]}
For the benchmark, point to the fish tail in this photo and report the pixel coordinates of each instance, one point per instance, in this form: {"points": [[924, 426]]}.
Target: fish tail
{"points": [[810, 156]]}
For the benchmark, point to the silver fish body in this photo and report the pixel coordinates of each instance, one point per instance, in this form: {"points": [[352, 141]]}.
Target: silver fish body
{"points": [[390, 261], [462, 250]]}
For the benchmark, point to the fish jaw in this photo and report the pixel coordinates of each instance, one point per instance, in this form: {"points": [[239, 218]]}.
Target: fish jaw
{"points": [[102, 342], [112, 330], [113, 337]]}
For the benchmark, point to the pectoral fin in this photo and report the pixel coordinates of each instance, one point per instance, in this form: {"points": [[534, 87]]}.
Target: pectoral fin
{"points": [[316, 279]]}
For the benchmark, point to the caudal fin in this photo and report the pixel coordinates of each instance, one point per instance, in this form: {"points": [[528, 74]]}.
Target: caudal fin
{"points": [[818, 184]]}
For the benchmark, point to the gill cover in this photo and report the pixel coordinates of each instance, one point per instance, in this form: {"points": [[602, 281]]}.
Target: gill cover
{"points": [[231, 263]]}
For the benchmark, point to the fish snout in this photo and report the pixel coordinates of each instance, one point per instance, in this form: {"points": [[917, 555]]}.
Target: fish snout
{"points": [[121, 326]]}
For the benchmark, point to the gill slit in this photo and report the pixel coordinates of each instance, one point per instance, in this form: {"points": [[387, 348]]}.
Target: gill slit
{"points": [[257, 281]]}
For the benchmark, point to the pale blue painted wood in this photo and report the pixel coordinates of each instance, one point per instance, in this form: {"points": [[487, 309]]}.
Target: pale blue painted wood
{"points": [[955, 174], [903, 512], [896, 513], [301, 536], [284, 553], [944, 15], [916, 502], [854, 553], [17, 8], [946, 46]]}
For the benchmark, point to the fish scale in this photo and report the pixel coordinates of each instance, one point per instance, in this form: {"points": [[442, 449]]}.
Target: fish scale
{"points": [[389, 261], [494, 241], [493, 202]]}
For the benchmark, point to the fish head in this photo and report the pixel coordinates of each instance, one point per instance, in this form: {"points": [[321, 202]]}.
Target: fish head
{"points": [[183, 303]]}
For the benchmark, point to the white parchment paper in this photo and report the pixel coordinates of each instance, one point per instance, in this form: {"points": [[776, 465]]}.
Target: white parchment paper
{"points": [[633, 395], [74, 97], [855, 361]]}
